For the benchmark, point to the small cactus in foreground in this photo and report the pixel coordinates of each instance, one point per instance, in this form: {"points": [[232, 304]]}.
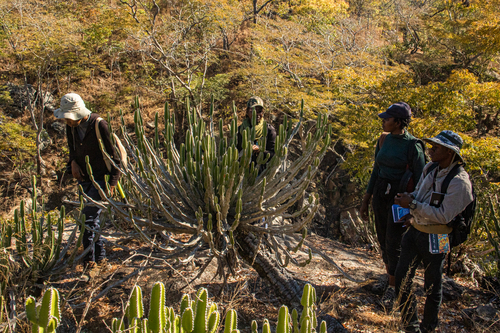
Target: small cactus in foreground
{"points": [[46, 316], [202, 316], [199, 316]]}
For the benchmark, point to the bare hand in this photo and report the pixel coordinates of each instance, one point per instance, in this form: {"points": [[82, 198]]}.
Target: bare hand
{"points": [[407, 220], [255, 148], [364, 206], [403, 199], [76, 171], [111, 191]]}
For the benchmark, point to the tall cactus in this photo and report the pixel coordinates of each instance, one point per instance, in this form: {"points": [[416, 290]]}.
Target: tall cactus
{"points": [[46, 316], [208, 189]]}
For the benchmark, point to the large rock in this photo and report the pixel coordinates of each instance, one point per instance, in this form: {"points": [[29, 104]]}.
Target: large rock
{"points": [[481, 317], [20, 97], [59, 127], [351, 227]]}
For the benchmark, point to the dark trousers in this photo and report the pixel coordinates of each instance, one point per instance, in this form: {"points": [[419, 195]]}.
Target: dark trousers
{"points": [[388, 233], [415, 249], [97, 251]]}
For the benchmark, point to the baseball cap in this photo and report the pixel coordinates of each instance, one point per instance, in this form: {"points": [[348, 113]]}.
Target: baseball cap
{"points": [[397, 110]]}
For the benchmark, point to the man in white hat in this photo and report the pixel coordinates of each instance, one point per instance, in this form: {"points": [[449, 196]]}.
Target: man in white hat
{"points": [[82, 141], [430, 212]]}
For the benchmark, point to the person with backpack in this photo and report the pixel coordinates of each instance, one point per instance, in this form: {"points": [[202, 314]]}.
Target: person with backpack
{"points": [[83, 131], [399, 161], [442, 194]]}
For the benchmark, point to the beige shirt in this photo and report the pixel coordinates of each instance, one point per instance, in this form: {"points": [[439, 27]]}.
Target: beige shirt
{"points": [[433, 220]]}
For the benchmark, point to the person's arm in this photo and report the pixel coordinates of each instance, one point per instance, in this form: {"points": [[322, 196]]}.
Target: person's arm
{"points": [[369, 191], [375, 171], [270, 141], [72, 165], [239, 144], [70, 138], [458, 196], [114, 174]]}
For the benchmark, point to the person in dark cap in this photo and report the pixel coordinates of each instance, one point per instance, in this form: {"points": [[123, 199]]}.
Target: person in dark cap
{"points": [[430, 212], [256, 104], [399, 159], [83, 141]]}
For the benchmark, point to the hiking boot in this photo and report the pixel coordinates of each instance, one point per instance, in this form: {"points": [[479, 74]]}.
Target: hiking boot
{"points": [[388, 298]]}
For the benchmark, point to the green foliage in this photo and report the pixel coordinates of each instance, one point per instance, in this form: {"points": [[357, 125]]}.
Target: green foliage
{"points": [[46, 316], [5, 98], [17, 141]]}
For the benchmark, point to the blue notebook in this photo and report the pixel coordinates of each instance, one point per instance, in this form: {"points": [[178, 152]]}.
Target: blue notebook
{"points": [[398, 212]]}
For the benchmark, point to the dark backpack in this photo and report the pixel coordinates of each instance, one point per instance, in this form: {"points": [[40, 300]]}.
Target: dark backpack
{"points": [[408, 181], [461, 223]]}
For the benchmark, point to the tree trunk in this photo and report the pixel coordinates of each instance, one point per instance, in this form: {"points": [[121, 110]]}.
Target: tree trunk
{"points": [[288, 290]]}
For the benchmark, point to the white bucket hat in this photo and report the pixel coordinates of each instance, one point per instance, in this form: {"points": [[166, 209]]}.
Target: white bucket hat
{"points": [[448, 139], [72, 107]]}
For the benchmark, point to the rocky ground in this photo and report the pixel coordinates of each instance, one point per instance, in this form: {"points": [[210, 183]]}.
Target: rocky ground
{"points": [[92, 298]]}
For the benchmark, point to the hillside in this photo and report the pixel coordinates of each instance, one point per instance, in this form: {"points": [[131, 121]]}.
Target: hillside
{"points": [[346, 60]]}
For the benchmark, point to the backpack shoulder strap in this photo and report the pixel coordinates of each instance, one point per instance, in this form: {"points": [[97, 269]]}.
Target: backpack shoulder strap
{"points": [[99, 137], [381, 140], [453, 172], [97, 131], [430, 168], [411, 151]]}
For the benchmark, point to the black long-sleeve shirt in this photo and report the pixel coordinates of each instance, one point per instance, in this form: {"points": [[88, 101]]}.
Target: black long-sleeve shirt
{"points": [[89, 146]]}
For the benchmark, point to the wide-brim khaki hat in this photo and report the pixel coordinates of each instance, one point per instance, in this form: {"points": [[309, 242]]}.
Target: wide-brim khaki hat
{"points": [[450, 140], [72, 107]]}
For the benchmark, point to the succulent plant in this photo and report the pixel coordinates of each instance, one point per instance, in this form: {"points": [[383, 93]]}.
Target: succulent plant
{"points": [[40, 254], [207, 189], [202, 316], [46, 316], [43, 252]]}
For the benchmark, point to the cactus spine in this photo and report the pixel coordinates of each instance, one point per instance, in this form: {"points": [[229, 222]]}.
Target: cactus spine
{"points": [[157, 317], [46, 316]]}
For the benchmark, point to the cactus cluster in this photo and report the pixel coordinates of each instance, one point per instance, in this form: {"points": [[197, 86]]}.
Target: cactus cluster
{"points": [[202, 316], [196, 316], [307, 323], [45, 317], [208, 189], [32, 241]]}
